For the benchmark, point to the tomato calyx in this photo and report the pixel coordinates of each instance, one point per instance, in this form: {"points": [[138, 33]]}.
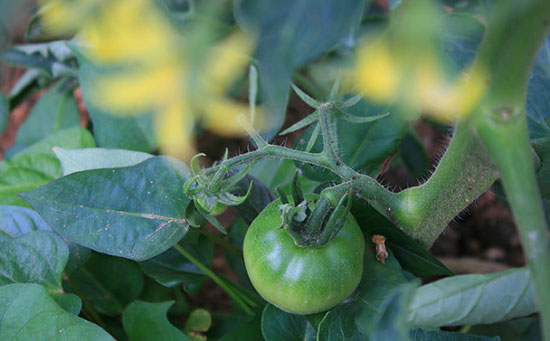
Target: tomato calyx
{"points": [[313, 223], [211, 194]]}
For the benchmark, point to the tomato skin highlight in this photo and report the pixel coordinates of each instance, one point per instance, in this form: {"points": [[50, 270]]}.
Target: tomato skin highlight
{"points": [[302, 280]]}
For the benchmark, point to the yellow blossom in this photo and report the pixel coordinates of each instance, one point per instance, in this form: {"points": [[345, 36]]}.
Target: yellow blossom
{"points": [[152, 68]]}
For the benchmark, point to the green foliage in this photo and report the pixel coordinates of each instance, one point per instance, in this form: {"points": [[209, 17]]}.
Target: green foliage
{"points": [[37, 165], [114, 237], [147, 321], [483, 299], [113, 219], [34, 315]]}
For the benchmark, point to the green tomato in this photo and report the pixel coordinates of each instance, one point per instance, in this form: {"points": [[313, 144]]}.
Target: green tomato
{"points": [[302, 280]]}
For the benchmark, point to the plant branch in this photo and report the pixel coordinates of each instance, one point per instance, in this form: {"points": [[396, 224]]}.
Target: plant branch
{"points": [[218, 280]]}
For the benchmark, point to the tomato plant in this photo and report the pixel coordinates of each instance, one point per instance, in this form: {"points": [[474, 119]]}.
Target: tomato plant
{"points": [[261, 169]]}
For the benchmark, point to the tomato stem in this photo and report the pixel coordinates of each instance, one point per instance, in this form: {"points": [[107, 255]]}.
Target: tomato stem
{"points": [[235, 296]]}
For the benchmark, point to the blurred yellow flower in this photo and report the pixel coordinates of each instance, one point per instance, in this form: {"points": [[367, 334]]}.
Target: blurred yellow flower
{"points": [[416, 80], [152, 69]]}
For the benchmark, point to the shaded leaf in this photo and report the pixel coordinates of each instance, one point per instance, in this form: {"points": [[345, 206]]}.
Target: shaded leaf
{"points": [[107, 283], [414, 156], [27, 312], [69, 302], [37, 165], [237, 328], [315, 27], [278, 325], [16, 221], [77, 160], [147, 321], [4, 112], [522, 329], [391, 323], [170, 268], [474, 299], [364, 147], [36, 257], [52, 58], [133, 131], [412, 257], [133, 212], [418, 334], [538, 102], [260, 196], [55, 110]]}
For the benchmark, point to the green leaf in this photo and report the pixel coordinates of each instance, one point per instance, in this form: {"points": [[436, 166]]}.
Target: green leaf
{"points": [[36, 257], [37, 165], [107, 283], [391, 323], [147, 321], [70, 302], [305, 97], [133, 212], [474, 299], [522, 329], [278, 325], [170, 268], [421, 335], [17, 221], [538, 102], [238, 328], [4, 112], [412, 257], [260, 196], [414, 156], [280, 53], [52, 58], [78, 160], [364, 147], [27, 312], [339, 324], [133, 131], [55, 110]]}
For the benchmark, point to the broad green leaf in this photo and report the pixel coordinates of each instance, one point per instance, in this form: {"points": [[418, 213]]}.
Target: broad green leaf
{"points": [[4, 112], [27, 312], [278, 325], [132, 131], [70, 302], [362, 146], [474, 299], [170, 268], [339, 324], [418, 334], [36, 257], [273, 172], [147, 321], [78, 160], [37, 165], [291, 34], [55, 110], [412, 257], [107, 283], [133, 212], [16, 221]]}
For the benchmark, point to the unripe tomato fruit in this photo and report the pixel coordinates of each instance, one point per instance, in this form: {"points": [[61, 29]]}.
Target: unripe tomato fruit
{"points": [[302, 280]]}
